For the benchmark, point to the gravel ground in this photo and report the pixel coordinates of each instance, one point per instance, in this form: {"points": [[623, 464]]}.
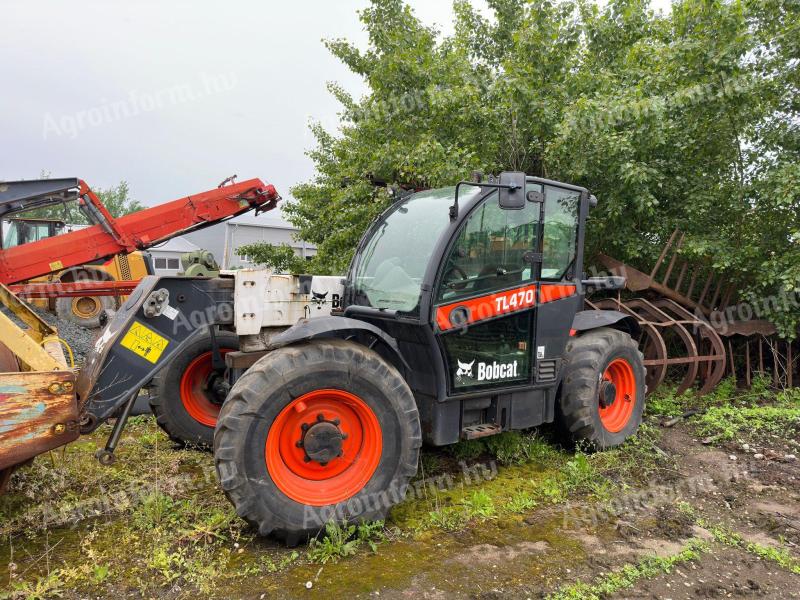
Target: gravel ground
{"points": [[79, 338]]}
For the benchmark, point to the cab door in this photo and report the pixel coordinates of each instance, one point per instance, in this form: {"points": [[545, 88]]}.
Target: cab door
{"points": [[486, 297]]}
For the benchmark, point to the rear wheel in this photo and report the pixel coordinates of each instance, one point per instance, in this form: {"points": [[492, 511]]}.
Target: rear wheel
{"points": [[321, 431], [187, 395], [603, 390], [84, 311]]}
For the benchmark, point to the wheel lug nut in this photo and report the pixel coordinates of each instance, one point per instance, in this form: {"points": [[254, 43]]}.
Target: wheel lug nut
{"points": [[323, 464], [306, 459], [320, 417], [344, 436], [304, 426], [299, 443], [336, 422]]}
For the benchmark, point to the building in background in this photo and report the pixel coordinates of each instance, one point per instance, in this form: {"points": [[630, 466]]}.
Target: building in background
{"points": [[167, 256], [222, 240]]}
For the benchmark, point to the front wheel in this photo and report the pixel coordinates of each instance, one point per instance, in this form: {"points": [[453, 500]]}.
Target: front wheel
{"points": [[603, 388], [321, 431], [187, 394]]}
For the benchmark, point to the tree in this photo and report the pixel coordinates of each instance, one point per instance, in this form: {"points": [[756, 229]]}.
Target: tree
{"points": [[687, 120], [281, 259], [116, 199]]}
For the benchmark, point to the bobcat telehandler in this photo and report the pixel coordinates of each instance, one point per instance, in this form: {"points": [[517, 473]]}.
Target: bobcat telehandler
{"points": [[460, 317]]}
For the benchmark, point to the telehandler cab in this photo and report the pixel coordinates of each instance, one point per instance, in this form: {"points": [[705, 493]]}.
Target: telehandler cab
{"points": [[460, 317]]}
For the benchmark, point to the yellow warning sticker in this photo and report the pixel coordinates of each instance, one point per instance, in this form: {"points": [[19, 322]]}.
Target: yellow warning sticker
{"points": [[56, 266], [144, 341]]}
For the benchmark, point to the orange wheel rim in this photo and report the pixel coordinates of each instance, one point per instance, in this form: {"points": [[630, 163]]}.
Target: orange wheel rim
{"points": [[354, 445], [617, 395], [195, 397], [86, 307]]}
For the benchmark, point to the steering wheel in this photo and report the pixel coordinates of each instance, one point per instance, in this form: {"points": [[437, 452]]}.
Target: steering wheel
{"points": [[448, 278]]}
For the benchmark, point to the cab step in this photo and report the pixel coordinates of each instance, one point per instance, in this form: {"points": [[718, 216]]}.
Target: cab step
{"points": [[478, 431]]}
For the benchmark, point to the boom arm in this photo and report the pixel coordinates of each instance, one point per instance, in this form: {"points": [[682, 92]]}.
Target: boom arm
{"points": [[136, 231]]}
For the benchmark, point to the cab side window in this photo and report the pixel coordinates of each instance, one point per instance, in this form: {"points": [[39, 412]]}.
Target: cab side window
{"points": [[560, 232], [488, 254]]}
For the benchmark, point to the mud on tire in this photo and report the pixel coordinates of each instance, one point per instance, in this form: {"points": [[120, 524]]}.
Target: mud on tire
{"points": [[169, 393], [266, 399], [591, 360]]}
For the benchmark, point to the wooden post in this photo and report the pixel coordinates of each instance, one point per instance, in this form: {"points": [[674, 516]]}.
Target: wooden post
{"points": [[672, 261], [682, 274], [663, 254], [789, 365], [773, 346], [748, 375], [730, 353], [692, 281]]}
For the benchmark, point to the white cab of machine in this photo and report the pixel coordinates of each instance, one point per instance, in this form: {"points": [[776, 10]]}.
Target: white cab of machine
{"points": [[265, 299]]}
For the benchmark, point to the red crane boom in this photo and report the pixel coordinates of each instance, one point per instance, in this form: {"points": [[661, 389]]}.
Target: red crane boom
{"points": [[136, 231]]}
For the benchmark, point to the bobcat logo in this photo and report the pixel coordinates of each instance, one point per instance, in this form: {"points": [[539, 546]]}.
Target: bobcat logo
{"points": [[318, 298], [464, 369]]}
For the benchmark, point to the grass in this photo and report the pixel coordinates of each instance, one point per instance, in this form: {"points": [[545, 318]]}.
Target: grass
{"points": [[164, 508], [161, 505], [726, 423], [780, 556], [341, 541], [626, 577], [729, 413], [510, 448]]}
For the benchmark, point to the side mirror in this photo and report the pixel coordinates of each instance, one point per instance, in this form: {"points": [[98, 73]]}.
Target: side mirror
{"points": [[512, 190]]}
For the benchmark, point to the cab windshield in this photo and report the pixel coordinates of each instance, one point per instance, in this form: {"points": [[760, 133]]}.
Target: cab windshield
{"points": [[390, 271]]}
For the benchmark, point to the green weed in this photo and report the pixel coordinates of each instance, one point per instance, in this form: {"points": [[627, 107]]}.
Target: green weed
{"points": [[521, 502], [344, 540], [725, 423], [480, 504], [781, 556], [448, 518], [627, 576], [664, 401]]}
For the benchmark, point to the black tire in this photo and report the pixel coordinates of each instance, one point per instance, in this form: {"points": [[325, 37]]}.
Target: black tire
{"points": [[66, 310], [166, 399], [586, 359], [276, 381]]}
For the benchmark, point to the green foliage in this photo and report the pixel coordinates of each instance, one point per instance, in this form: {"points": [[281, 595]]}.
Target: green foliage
{"points": [[341, 541], [521, 502], [516, 448], [467, 449], [635, 460], [509, 448], [723, 393], [664, 401], [338, 542], [116, 199], [156, 509], [686, 119], [480, 505], [281, 259], [448, 518], [781, 555], [725, 423], [625, 578]]}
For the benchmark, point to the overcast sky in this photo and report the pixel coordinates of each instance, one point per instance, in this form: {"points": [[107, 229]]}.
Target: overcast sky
{"points": [[173, 96]]}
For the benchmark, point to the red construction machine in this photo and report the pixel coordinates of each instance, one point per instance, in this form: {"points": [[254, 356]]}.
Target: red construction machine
{"points": [[109, 236]]}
